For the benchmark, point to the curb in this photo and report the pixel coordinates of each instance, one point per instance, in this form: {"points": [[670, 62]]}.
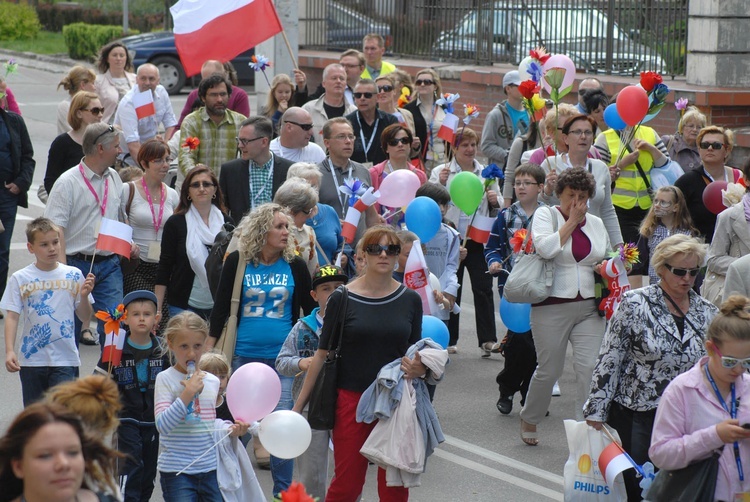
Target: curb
{"points": [[51, 63]]}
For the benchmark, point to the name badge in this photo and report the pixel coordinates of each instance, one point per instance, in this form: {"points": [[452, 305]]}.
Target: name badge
{"points": [[154, 250], [742, 497]]}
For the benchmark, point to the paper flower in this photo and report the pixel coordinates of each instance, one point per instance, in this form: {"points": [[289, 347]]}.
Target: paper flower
{"points": [[470, 112], [517, 241], [490, 174], [10, 67], [191, 142], [554, 77], [112, 318], [259, 62], [648, 477], [681, 104], [353, 188], [649, 79], [295, 493], [528, 88], [628, 254], [447, 101], [536, 71], [404, 98], [540, 54], [732, 194]]}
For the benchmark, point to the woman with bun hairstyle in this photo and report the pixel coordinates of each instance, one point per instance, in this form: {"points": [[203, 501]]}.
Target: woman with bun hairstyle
{"points": [[79, 78]]}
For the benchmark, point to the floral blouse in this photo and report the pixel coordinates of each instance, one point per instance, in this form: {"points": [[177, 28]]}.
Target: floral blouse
{"points": [[643, 351]]}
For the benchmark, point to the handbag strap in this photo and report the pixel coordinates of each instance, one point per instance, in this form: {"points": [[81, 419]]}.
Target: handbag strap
{"points": [[234, 307], [677, 307], [638, 166], [340, 315], [554, 225]]}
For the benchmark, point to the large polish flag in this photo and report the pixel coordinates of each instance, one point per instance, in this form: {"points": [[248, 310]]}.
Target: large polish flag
{"points": [[144, 104], [210, 29], [115, 237]]}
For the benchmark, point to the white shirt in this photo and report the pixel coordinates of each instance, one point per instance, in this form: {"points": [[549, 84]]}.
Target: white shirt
{"points": [[141, 219], [311, 153], [142, 130]]}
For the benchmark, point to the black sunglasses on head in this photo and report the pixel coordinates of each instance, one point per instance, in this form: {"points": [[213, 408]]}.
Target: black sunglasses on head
{"points": [[681, 272], [376, 249], [110, 129]]}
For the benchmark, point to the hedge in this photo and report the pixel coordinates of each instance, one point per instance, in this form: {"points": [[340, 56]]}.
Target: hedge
{"points": [[55, 17], [18, 22], [85, 40]]}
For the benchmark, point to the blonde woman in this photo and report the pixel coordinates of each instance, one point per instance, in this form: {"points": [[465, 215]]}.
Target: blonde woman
{"points": [[279, 100], [79, 78], [428, 117], [683, 146]]}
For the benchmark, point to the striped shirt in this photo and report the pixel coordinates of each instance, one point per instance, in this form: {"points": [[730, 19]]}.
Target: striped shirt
{"points": [[182, 442], [217, 142]]}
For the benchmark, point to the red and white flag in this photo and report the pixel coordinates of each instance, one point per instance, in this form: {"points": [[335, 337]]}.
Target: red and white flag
{"points": [[144, 104], [115, 237], [479, 230], [113, 344], [207, 29], [354, 213], [417, 277], [447, 130], [612, 461]]}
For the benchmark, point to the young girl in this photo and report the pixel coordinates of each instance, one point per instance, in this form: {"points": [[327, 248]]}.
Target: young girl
{"points": [[279, 97], [668, 216], [184, 408], [705, 408]]}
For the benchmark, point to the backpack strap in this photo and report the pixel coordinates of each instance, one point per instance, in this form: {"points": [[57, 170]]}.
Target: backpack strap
{"points": [[131, 194]]}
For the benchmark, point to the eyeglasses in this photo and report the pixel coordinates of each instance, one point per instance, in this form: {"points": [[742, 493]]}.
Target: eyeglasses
{"points": [[94, 111], [396, 141], [730, 362], [716, 145], [109, 130], [304, 127], [579, 133], [344, 137], [246, 141], [366, 95], [662, 203], [424, 82], [692, 126], [351, 66], [385, 88], [523, 184], [682, 272], [376, 249], [202, 184]]}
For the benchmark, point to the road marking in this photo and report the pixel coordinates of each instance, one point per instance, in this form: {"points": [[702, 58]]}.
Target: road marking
{"points": [[508, 478]]}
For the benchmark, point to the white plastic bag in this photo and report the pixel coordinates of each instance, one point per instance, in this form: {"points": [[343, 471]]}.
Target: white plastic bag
{"points": [[584, 481]]}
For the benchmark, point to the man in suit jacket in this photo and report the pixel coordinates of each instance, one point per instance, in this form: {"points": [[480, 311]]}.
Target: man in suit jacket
{"points": [[253, 179]]}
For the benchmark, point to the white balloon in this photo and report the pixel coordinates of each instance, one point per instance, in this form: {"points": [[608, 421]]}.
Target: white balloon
{"points": [[285, 434]]}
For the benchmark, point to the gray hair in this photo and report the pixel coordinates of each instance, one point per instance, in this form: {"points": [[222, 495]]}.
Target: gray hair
{"points": [[262, 125], [332, 66], [96, 134], [297, 195], [304, 170], [674, 245]]}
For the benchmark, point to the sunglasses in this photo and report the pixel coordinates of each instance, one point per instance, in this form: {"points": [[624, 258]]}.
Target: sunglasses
{"points": [[366, 95], [716, 145], [396, 141], [94, 111], [385, 88], [109, 130], [245, 141], [304, 127], [731, 362], [681, 272], [202, 184], [376, 249], [424, 82]]}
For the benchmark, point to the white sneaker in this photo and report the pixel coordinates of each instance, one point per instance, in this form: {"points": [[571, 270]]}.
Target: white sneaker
{"points": [[452, 349], [556, 389]]}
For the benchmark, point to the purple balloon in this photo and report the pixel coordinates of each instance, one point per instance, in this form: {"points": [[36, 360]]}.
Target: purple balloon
{"points": [[612, 118]]}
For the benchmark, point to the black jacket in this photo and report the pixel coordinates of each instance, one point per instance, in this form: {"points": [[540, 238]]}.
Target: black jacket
{"points": [[375, 154], [22, 155], [234, 180]]}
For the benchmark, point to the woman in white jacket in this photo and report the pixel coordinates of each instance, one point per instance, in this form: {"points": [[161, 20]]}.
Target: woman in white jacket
{"points": [[577, 243]]}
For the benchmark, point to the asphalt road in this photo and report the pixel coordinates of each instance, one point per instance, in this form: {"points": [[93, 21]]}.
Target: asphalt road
{"points": [[483, 458]]}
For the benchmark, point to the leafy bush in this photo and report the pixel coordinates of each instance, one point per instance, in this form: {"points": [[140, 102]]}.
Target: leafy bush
{"points": [[18, 22], [54, 17], [85, 40]]}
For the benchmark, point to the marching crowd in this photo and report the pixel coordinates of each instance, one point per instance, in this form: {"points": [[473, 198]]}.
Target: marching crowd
{"points": [[270, 192]]}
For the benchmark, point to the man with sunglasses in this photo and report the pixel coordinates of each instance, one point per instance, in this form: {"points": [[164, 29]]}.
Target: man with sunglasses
{"points": [[293, 142], [504, 122], [332, 103], [252, 179], [368, 123]]}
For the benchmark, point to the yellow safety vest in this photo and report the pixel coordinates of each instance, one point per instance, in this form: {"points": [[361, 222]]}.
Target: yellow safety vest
{"points": [[630, 188], [385, 69]]}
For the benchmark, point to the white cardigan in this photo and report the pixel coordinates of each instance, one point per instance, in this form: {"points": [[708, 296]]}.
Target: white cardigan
{"points": [[571, 277]]}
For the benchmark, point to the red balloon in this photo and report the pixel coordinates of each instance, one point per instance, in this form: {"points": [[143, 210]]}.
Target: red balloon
{"points": [[632, 104], [712, 196]]}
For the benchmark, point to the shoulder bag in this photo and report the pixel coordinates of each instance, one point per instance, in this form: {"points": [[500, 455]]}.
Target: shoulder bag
{"points": [[696, 482], [321, 411], [530, 280], [228, 339]]}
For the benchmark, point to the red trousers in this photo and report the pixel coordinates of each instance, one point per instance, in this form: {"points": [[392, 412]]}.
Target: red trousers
{"points": [[350, 465]]}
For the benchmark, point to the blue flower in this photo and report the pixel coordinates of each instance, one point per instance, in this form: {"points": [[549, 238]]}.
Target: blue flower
{"points": [[648, 478], [492, 171], [38, 338], [259, 62], [536, 71]]}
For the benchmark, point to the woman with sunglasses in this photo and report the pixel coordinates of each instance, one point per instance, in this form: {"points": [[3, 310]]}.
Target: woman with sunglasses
{"points": [[387, 103], [428, 117], [705, 408], [381, 320], [190, 233], [655, 335], [66, 150]]}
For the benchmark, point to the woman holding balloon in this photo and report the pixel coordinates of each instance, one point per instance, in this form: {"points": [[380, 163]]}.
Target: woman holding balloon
{"points": [[465, 204]]}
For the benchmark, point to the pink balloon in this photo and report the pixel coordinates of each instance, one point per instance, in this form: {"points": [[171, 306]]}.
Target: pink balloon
{"points": [[632, 104], [253, 392], [561, 61], [398, 188]]}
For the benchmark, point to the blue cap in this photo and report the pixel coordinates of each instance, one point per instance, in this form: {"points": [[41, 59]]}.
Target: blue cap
{"points": [[141, 294]]}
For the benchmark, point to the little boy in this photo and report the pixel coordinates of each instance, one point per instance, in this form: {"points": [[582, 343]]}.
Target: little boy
{"points": [[48, 294], [294, 360], [142, 360], [517, 348]]}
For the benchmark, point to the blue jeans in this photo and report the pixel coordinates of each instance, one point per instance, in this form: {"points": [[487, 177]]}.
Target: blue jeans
{"points": [[35, 380], [140, 442], [8, 210], [282, 469], [202, 487], [107, 288]]}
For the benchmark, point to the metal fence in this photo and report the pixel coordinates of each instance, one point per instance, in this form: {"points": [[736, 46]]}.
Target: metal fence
{"points": [[621, 37]]}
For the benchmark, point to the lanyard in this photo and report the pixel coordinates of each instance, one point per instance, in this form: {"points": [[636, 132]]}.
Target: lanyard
{"points": [[732, 414], [372, 135], [103, 204], [262, 189], [157, 223], [343, 198]]}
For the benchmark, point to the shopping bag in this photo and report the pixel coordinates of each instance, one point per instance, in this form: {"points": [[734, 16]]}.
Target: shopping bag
{"points": [[583, 480]]}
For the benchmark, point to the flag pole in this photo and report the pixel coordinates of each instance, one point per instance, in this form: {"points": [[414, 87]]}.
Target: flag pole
{"points": [[637, 467], [289, 47], [91, 268]]}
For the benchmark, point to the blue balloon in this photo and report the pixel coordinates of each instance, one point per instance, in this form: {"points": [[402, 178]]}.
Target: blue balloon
{"points": [[437, 330], [515, 316], [423, 217], [612, 118]]}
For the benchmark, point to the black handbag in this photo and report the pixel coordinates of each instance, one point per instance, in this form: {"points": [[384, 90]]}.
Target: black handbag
{"points": [[321, 411], [696, 482]]}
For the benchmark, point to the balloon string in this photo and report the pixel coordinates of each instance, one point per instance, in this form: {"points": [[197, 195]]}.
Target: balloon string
{"points": [[204, 453]]}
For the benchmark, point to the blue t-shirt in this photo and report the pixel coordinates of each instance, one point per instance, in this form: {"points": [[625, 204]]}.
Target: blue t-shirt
{"points": [[520, 120], [327, 228], [265, 310]]}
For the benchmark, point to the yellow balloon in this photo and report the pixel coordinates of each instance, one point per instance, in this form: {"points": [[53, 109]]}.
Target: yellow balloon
{"points": [[584, 464]]}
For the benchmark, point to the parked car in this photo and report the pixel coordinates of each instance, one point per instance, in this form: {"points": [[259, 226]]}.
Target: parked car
{"points": [[346, 27], [507, 30]]}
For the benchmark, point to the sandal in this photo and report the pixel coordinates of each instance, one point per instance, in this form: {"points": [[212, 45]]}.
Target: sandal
{"points": [[529, 437], [87, 337]]}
